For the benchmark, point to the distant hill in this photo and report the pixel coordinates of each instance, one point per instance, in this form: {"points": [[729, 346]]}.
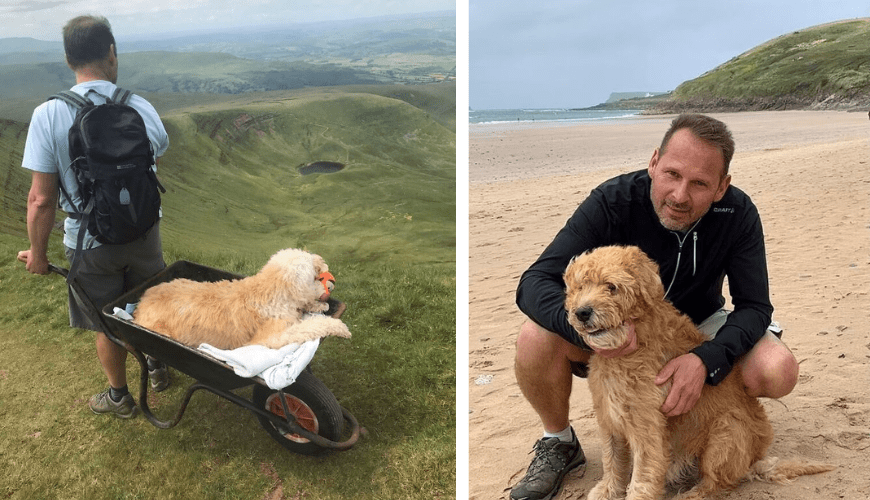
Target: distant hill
{"points": [[822, 67], [432, 34], [29, 51], [643, 102], [417, 48], [621, 96]]}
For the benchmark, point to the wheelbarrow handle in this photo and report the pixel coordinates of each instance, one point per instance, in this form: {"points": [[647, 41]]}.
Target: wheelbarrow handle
{"points": [[58, 270]]}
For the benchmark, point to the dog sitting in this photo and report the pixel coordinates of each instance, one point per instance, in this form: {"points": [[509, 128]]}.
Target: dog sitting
{"points": [[271, 308], [611, 290]]}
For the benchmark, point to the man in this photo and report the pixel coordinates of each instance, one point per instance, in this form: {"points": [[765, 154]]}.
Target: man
{"points": [[683, 212], [106, 271]]}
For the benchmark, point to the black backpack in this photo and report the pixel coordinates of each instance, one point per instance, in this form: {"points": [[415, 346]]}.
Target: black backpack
{"points": [[112, 159]]}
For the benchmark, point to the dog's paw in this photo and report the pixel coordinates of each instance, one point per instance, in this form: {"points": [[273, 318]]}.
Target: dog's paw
{"points": [[313, 327], [335, 327], [604, 491]]}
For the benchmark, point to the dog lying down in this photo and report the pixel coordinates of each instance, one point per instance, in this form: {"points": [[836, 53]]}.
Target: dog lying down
{"points": [[271, 308], [726, 434]]}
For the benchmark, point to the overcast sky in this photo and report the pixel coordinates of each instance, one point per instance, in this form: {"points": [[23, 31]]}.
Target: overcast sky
{"points": [[564, 54], [43, 19]]}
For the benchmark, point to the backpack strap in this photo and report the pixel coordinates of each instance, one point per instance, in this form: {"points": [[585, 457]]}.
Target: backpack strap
{"points": [[85, 218], [78, 102], [73, 99], [121, 96]]}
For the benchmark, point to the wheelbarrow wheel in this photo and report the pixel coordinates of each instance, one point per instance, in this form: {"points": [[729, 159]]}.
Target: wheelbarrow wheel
{"points": [[311, 403]]}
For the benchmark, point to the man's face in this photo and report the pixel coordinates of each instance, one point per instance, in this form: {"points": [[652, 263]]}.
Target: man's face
{"points": [[686, 180]]}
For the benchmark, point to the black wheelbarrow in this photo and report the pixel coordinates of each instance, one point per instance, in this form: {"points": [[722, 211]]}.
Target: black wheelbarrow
{"points": [[303, 417]]}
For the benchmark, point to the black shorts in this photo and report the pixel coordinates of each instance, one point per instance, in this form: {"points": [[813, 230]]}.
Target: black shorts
{"points": [[109, 271]]}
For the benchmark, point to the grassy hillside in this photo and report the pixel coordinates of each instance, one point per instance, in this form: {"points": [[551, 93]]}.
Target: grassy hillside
{"points": [[16, 180], [825, 66], [232, 174], [386, 226], [239, 166]]}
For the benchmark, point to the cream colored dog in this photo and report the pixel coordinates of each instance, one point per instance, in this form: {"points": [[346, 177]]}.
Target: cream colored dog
{"points": [[611, 290], [270, 308]]}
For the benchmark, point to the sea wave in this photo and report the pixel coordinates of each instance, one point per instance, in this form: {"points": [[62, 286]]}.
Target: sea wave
{"points": [[507, 116]]}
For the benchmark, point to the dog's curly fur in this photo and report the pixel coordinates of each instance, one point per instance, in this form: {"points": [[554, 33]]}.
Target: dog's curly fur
{"points": [[727, 433], [270, 308]]}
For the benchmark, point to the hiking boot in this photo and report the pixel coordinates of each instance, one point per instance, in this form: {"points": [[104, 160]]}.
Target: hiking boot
{"points": [[102, 403], [553, 460], [159, 378]]}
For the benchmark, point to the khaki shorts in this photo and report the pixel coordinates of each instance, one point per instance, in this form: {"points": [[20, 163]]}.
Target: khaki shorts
{"points": [[710, 326], [109, 271]]}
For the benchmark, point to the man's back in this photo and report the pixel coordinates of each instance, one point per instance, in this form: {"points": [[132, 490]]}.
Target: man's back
{"points": [[47, 148]]}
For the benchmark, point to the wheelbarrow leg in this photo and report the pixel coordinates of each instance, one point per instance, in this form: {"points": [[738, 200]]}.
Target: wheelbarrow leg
{"points": [[143, 395]]}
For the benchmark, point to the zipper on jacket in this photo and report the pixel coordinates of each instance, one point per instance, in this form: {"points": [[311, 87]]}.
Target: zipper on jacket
{"points": [[680, 241], [677, 268]]}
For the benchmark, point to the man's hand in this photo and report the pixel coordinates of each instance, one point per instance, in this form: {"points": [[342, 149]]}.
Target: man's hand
{"points": [[628, 347], [688, 374], [36, 264]]}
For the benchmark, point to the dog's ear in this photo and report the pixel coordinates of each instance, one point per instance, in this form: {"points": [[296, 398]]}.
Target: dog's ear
{"points": [[319, 264], [569, 268], [305, 268], [646, 273]]}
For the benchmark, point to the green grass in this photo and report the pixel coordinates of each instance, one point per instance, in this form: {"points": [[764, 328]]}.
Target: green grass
{"points": [[803, 67], [386, 227], [239, 167]]}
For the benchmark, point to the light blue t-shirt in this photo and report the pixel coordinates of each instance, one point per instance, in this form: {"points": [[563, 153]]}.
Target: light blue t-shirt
{"points": [[47, 148]]}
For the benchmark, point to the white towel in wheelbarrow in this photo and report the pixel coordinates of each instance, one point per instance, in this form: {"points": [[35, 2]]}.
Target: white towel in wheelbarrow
{"points": [[278, 367]]}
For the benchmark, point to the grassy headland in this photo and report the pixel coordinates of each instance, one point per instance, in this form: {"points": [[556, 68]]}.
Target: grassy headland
{"points": [[822, 67]]}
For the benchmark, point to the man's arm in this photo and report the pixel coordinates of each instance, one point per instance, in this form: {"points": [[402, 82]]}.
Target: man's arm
{"points": [[750, 294], [541, 290], [41, 207], [713, 360]]}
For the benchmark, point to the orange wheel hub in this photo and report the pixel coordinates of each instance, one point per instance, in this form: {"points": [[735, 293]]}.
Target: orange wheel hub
{"points": [[305, 417]]}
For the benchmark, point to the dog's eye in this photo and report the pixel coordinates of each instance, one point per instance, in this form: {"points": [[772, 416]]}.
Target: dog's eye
{"points": [[611, 288]]}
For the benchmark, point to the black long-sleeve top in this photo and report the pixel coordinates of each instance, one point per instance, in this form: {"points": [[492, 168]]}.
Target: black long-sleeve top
{"points": [[727, 241]]}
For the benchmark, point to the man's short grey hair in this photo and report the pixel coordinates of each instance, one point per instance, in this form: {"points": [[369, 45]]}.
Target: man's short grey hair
{"points": [[707, 129], [87, 39]]}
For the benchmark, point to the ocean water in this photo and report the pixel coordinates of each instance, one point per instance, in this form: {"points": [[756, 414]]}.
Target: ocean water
{"points": [[496, 116]]}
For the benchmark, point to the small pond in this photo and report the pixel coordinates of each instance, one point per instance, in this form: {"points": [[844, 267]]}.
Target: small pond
{"points": [[321, 167]]}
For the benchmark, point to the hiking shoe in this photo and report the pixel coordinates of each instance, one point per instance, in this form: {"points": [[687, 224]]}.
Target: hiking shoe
{"points": [[102, 403], [159, 378], [553, 460]]}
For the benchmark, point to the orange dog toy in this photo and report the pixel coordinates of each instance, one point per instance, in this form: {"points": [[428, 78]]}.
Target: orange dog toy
{"points": [[328, 281]]}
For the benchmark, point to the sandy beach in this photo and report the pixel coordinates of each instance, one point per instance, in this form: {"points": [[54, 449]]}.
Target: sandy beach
{"points": [[809, 174]]}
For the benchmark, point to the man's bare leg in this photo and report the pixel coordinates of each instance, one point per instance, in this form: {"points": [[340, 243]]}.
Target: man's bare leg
{"points": [[543, 372], [770, 369]]}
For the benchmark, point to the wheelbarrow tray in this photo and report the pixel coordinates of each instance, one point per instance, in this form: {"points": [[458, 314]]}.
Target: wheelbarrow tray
{"points": [[211, 373], [199, 365]]}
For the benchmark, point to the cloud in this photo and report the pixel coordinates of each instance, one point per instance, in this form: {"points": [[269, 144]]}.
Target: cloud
{"points": [[43, 19], [29, 6]]}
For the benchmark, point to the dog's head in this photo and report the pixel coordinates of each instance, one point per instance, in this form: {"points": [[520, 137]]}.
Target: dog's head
{"points": [[608, 287], [300, 271]]}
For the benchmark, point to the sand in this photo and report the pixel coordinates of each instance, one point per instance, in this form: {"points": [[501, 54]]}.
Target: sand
{"points": [[809, 174]]}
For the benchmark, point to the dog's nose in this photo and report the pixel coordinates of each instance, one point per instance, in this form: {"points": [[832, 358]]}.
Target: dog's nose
{"points": [[584, 313]]}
